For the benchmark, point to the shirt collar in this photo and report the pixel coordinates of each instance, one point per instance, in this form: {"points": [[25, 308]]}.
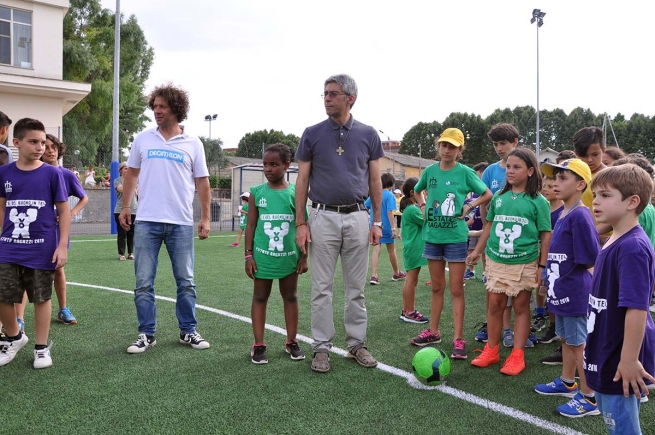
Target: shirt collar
{"points": [[182, 135], [335, 126]]}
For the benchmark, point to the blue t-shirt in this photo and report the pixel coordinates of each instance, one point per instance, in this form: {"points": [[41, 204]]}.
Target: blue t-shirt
{"points": [[29, 232], [494, 177], [624, 276], [388, 204], [569, 281]]}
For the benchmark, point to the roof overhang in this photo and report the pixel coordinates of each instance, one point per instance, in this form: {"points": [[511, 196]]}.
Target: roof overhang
{"points": [[70, 93]]}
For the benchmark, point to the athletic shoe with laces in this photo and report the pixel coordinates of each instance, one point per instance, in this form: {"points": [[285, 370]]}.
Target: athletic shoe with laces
{"points": [[538, 323], [531, 341], [557, 388], [401, 275], [426, 337], [469, 274], [577, 407], [643, 398], [508, 338], [42, 358], [548, 337], [374, 280], [142, 343], [413, 317], [554, 359], [9, 349], [295, 352], [194, 340], [66, 317], [488, 357], [514, 364], [459, 349], [21, 324], [482, 335], [234, 245], [258, 354], [652, 306]]}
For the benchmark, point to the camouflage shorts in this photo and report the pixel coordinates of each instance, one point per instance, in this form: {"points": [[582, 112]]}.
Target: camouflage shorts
{"points": [[15, 279]]}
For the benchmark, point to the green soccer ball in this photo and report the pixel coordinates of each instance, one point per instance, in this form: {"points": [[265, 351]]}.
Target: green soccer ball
{"points": [[431, 366]]}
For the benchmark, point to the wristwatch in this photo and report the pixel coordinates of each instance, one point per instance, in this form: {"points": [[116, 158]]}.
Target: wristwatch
{"points": [[377, 224]]}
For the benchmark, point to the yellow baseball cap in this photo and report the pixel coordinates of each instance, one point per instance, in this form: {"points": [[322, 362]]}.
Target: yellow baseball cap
{"points": [[575, 165], [453, 136]]}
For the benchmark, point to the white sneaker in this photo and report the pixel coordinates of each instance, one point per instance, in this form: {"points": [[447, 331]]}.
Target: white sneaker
{"points": [[141, 344], [9, 349], [194, 340], [652, 307], [42, 358]]}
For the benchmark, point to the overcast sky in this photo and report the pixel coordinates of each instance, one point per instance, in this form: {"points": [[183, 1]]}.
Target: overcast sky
{"points": [[261, 64]]}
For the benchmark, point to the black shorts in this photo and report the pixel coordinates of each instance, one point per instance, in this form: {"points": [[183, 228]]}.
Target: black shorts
{"points": [[16, 279]]}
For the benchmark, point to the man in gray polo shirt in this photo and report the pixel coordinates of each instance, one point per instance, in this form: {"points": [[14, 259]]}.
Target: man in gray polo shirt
{"points": [[339, 159]]}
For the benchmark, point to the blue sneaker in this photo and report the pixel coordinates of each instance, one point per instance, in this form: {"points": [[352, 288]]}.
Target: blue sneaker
{"points": [[557, 388], [482, 334], [469, 274], [21, 324], [532, 340], [508, 338], [578, 407], [66, 317]]}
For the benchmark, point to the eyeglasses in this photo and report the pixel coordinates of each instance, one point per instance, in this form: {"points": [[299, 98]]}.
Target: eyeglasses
{"points": [[332, 94]]}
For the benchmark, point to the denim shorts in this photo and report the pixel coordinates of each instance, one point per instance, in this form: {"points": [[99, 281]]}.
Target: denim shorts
{"points": [[450, 252], [16, 280], [573, 329], [621, 414]]}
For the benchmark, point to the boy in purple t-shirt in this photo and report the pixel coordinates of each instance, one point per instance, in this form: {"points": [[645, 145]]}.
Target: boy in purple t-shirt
{"points": [[32, 245], [620, 353], [569, 283]]}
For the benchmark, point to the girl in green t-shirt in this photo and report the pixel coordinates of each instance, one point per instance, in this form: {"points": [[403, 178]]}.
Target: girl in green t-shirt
{"points": [[447, 183], [271, 250], [517, 220], [411, 206]]}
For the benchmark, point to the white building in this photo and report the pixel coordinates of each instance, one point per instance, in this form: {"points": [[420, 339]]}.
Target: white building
{"points": [[31, 63]]}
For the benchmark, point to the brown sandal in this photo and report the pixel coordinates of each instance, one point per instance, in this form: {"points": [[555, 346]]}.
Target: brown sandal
{"points": [[321, 362], [363, 357], [121, 257]]}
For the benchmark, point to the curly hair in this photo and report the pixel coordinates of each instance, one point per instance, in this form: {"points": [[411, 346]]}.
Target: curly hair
{"points": [[61, 147], [285, 153], [176, 98]]}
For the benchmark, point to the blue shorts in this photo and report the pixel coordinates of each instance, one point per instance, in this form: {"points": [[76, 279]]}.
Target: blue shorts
{"points": [[450, 252], [386, 240], [621, 414], [573, 329]]}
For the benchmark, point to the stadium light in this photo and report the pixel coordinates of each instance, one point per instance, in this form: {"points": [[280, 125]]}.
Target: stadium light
{"points": [[538, 17], [210, 118]]}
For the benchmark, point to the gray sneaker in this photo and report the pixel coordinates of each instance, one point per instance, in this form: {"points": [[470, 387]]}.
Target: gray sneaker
{"points": [[508, 338]]}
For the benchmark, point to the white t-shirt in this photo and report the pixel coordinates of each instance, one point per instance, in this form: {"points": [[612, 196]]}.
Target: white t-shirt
{"points": [[167, 177]]}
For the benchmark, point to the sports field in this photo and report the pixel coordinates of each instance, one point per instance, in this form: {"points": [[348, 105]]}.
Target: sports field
{"points": [[96, 387]]}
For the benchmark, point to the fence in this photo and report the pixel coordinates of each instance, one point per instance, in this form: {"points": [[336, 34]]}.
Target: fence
{"points": [[96, 217]]}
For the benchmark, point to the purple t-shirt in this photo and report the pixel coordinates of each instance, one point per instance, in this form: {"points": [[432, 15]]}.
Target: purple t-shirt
{"points": [[554, 215], [72, 184], [29, 231], [475, 214], [339, 179], [569, 281], [624, 276]]}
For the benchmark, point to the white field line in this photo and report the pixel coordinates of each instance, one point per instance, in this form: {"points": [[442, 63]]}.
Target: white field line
{"points": [[409, 377], [109, 239]]}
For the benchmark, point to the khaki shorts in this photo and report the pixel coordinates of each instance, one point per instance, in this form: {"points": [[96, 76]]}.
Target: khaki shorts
{"points": [[15, 279], [510, 279]]}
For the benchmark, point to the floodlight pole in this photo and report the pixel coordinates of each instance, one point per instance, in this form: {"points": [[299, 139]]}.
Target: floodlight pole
{"points": [[210, 118], [538, 17], [113, 168]]}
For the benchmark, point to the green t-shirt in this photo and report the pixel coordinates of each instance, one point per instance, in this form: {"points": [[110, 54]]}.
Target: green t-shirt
{"points": [[243, 220], [275, 251], [447, 191], [516, 221], [647, 222], [413, 244]]}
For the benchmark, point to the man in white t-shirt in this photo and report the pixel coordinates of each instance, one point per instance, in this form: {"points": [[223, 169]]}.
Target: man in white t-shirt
{"points": [[169, 166]]}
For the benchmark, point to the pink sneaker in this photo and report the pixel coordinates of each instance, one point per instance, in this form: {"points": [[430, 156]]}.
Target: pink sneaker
{"points": [[401, 275], [234, 245]]}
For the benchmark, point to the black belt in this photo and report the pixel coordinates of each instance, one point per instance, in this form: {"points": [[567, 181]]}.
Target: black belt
{"points": [[340, 208]]}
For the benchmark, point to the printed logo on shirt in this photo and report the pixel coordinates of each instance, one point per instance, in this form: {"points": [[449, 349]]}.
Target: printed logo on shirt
{"points": [[442, 215], [499, 202], [166, 154], [597, 306], [262, 202], [553, 275], [8, 188], [22, 221], [432, 183], [495, 184]]}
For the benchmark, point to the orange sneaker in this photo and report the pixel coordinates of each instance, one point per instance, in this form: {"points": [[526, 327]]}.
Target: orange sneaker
{"points": [[514, 364], [487, 357]]}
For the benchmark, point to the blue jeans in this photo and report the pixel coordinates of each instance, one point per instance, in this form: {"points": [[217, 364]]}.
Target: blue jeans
{"points": [[148, 237]]}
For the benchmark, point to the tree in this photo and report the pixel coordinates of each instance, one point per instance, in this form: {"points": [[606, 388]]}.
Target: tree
{"points": [[478, 146], [214, 153], [252, 144], [421, 136], [88, 57]]}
